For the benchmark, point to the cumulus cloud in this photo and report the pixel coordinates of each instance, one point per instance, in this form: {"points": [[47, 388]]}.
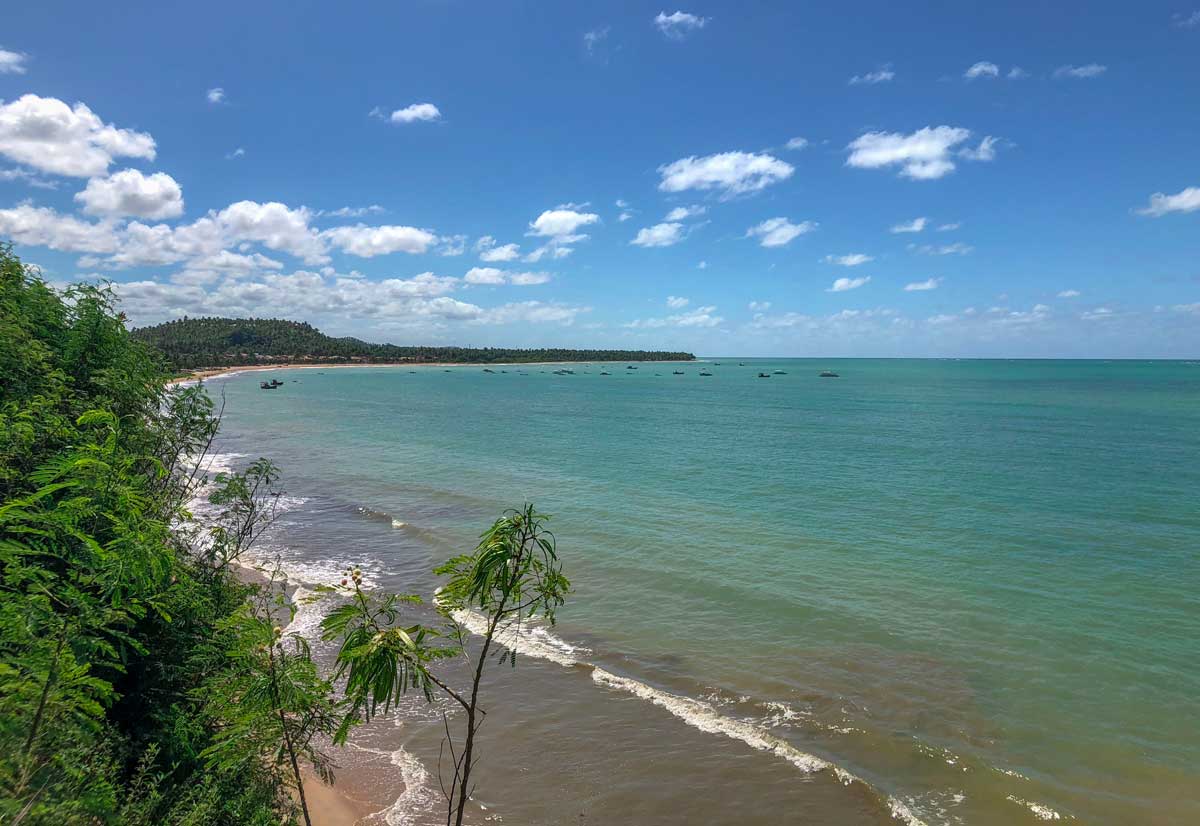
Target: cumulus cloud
{"points": [[594, 38], [1017, 73], [1098, 314], [1069, 294], [12, 63], [843, 284], [50, 136], [1089, 70], [1186, 200], [676, 302], [982, 69], [730, 173], [367, 241], [659, 235], [491, 252], [679, 24], [492, 276], [215, 95], [131, 193], [560, 223], [884, 74], [796, 144], [759, 306], [698, 317], [985, 151], [412, 113], [920, 286], [683, 213], [43, 227], [948, 227], [235, 154], [777, 232], [923, 155], [915, 225], [854, 259]]}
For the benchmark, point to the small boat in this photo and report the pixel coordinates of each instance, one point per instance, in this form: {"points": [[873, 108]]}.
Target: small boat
{"points": [[828, 374], [605, 373], [780, 373], [486, 370], [630, 367], [764, 375], [705, 373], [677, 373], [741, 364], [266, 385]]}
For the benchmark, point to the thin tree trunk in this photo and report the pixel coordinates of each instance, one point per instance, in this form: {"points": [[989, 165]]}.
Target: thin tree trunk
{"points": [[287, 741], [41, 709]]}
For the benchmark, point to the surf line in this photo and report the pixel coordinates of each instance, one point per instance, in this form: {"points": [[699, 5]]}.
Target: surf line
{"points": [[695, 713]]}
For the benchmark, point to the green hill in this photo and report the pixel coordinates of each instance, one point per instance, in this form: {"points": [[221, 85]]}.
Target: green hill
{"points": [[191, 343]]}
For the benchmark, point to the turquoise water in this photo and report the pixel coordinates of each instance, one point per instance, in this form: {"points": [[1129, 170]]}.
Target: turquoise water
{"points": [[972, 585]]}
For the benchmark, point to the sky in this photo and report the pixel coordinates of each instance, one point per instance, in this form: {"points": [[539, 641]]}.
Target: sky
{"points": [[753, 178]]}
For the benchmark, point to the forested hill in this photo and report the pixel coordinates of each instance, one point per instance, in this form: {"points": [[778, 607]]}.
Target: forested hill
{"points": [[218, 342]]}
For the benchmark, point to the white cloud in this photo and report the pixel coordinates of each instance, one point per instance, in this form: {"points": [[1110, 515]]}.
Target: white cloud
{"points": [[796, 144], [1098, 314], [1194, 307], [759, 306], [679, 24], [843, 284], [48, 135], [237, 153], [484, 275], [986, 151], [28, 178], [1017, 73], [1183, 20], [923, 155], [659, 235], [12, 63], [703, 265], [699, 317], [982, 69], [920, 286], [884, 74], [410, 114], [215, 95], [561, 223], [452, 245], [624, 216], [732, 173], [683, 213], [367, 242], [489, 251], [957, 248], [915, 225], [777, 232], [854, 259], [1081, 72], [354, 212], [1069, 294], [130, 193], [676, 302], [43, 227], [948, 227], [493, 276], [1186, 200]]}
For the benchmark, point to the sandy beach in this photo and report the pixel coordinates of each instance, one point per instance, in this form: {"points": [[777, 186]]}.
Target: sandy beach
{"points": [[215, 372]]}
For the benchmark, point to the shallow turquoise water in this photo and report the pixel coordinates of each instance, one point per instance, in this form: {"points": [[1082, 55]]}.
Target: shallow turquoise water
{"points": [[973, 584]]}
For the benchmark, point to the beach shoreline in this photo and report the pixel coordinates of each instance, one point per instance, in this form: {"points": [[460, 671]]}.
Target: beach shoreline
{"points": [[217, 372]]}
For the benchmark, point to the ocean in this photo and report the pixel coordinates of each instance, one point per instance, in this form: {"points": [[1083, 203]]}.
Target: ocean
{"points": [[928, 591]]}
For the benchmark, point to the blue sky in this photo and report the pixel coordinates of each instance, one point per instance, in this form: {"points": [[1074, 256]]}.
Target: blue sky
{"points": [[506, 173]]}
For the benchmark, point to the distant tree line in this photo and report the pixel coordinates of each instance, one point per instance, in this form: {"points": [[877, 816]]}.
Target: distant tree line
{"points": [[191, 343]]}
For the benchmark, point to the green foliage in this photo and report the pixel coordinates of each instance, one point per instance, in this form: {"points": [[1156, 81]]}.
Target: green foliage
{"points": [[217, 342], [109, 602], [513, 574]]}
